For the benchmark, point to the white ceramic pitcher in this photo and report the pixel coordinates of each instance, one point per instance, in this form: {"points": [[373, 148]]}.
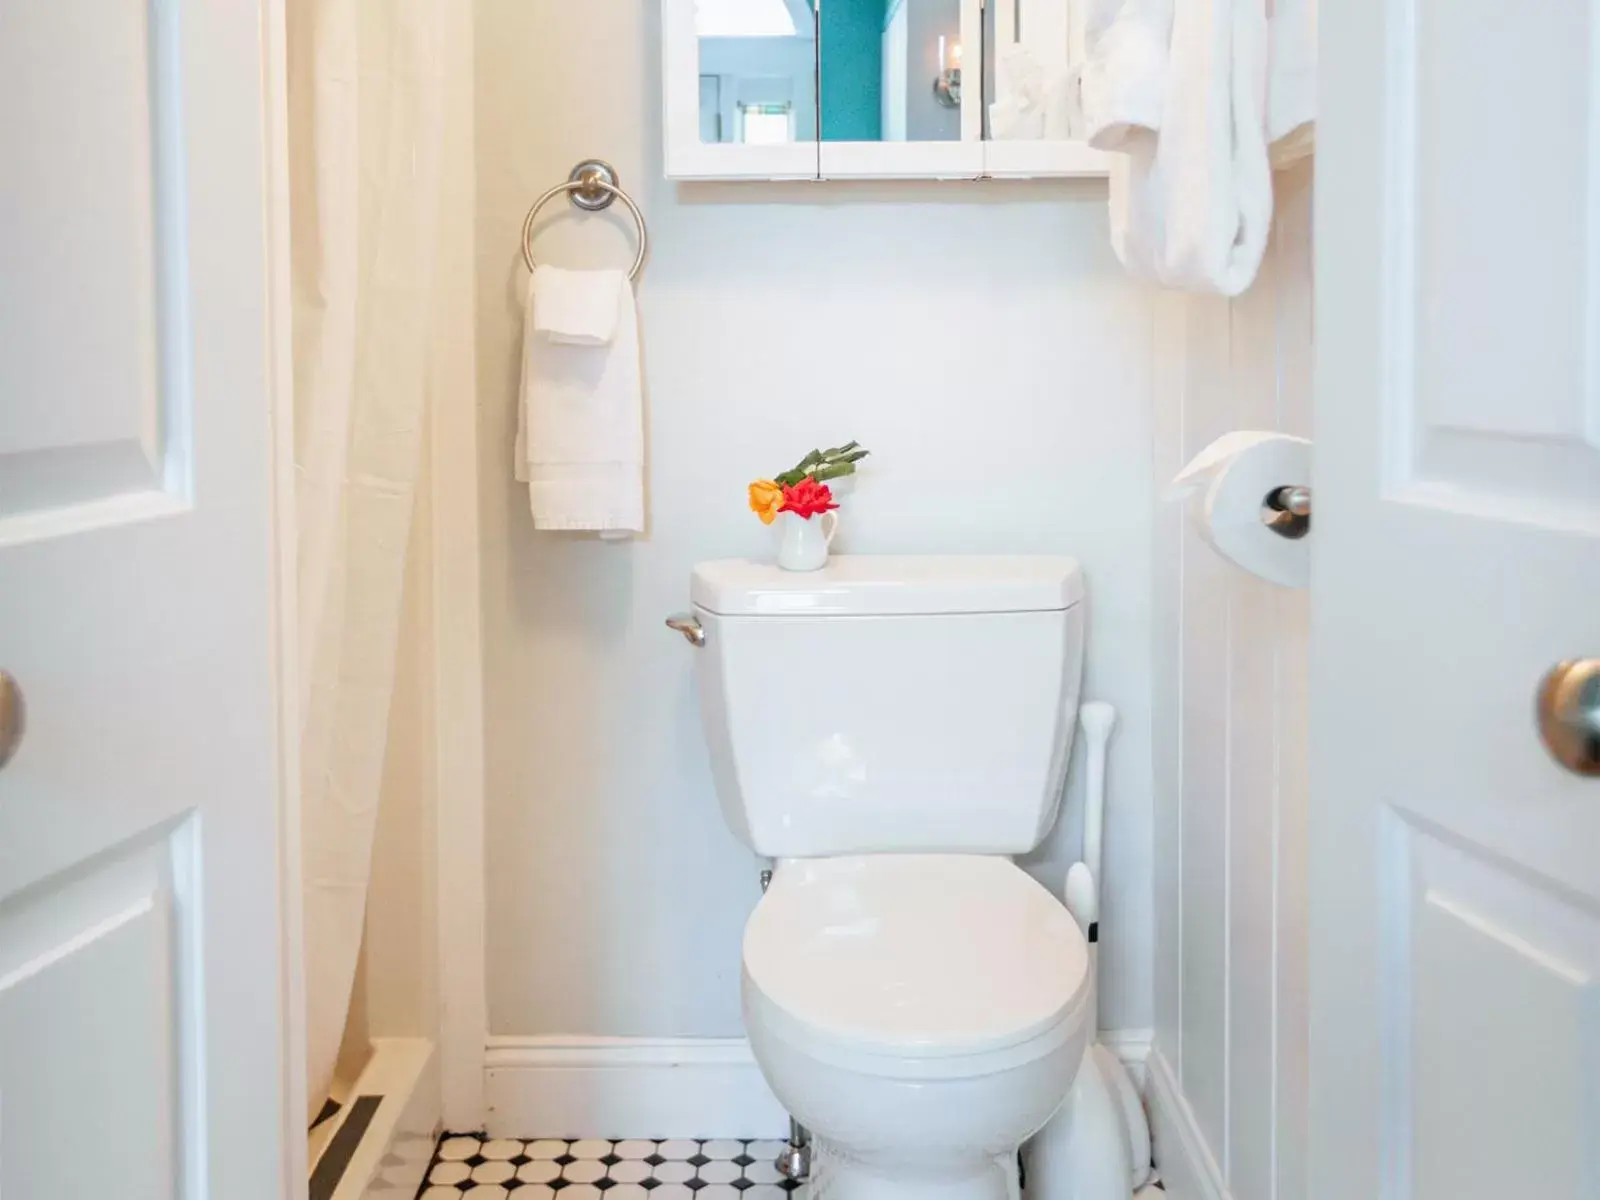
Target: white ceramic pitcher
{"points": [[803, 543]]}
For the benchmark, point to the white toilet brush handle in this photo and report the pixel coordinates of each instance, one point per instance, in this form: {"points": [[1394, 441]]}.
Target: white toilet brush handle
{"points": [[1083, 903], [1097, 718]]}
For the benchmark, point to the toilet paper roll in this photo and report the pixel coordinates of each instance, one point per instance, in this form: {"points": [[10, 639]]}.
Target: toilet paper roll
{"points": [[1224, 489]]}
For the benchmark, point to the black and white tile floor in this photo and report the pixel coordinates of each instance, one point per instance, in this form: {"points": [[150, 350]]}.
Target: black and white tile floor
{"points": [[509, 1169]]}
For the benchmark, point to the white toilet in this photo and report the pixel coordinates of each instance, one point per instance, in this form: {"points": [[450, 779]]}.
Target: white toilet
{"points": [[890, 730]]}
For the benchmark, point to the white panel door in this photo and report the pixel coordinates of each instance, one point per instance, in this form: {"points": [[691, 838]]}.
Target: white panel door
{"points": [[141, 996], [1456, 867]]}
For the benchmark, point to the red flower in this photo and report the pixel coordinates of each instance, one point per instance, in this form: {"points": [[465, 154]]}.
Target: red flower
{"points": [[807, 498]]}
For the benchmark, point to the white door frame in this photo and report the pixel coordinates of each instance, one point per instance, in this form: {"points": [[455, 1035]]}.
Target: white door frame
{"points": [[292, 1070], [458, 754]]}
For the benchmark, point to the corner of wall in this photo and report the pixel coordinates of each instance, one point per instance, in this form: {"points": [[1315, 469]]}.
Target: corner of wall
{"points": [[1230, 728], [1187, 1167], [457, 613]]}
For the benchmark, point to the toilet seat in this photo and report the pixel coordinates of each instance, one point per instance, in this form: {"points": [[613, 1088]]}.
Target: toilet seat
{"points": [[934, 963]]}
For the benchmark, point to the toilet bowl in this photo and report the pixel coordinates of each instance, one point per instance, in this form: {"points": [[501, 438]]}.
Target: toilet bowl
{"points": [[921, 1014]]}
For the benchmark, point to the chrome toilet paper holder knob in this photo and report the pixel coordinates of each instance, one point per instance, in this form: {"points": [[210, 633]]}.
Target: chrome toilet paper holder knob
{"points": [[1287, 511]]}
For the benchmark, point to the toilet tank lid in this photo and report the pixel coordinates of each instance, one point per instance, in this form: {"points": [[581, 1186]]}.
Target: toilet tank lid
{"points": [[889, 585]]}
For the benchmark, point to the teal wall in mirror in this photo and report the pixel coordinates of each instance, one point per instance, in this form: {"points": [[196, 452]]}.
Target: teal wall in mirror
{"points": [[880, 60], [852, 70]]}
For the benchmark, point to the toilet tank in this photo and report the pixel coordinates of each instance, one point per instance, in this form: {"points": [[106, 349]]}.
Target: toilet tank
{"points": [[890, 704]]}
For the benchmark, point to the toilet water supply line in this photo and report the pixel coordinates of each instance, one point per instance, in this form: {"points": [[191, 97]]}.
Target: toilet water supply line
{"points": [[794, 1160]]}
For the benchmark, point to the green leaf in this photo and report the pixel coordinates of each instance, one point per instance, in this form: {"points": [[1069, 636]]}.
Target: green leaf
{"points": [[832, 463]]}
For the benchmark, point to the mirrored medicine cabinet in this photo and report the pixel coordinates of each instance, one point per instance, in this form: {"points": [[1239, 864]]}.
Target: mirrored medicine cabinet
{"points": [[873, 89]]}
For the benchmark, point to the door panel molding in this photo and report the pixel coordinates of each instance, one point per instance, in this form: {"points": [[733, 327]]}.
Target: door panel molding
{"points": [[98, 429]]}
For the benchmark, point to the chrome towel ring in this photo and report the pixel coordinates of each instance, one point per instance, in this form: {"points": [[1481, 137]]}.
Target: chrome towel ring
{"points": [[593, 187]]}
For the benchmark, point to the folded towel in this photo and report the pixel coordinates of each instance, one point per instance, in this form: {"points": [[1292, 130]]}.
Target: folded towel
{"points": [[1292, 80], [577, 307], [1126, 48], [580, 431], [1191, 205], [1032, 103], [1018, 112]]}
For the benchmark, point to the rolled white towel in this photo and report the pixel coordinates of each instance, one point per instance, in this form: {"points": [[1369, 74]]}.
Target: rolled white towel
{"points": [[1191, 205], [1127, 45], [1292, 80]]}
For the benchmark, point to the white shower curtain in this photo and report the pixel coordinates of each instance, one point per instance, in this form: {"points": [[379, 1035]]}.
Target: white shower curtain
{"points": [[365, 123]]}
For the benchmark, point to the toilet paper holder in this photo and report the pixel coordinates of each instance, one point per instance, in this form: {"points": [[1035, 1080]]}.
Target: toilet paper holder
{"points": [[1287, 511]]}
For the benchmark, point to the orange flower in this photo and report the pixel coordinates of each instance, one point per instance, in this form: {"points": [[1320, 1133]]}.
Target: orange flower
{"points": [[766, 500]]}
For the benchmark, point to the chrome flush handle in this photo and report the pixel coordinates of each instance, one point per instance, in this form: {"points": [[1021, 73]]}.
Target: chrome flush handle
{"points": [[13, 717], [691, 629]]}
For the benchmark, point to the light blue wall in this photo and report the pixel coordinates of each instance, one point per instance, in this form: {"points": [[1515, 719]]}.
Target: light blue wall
{"points": [[852, 70], [761, 71]]}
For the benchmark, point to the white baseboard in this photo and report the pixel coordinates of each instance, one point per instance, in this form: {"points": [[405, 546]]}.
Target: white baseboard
{"points": [[627, 1087], [654, 1087], [1132, 1046], [1188, 1168]]}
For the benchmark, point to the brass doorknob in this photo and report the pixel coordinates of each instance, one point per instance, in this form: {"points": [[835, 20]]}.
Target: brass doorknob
{"points": [[13, 717], [1569, 714]]}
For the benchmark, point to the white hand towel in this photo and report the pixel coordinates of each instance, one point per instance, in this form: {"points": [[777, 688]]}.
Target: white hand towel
{"points": [[1126, 48], [1292, 80], [1191, 205], [580, 432], [580, 308]]}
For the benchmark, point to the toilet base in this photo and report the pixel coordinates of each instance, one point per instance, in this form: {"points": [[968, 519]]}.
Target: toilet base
{"points": [[836, 1176]]}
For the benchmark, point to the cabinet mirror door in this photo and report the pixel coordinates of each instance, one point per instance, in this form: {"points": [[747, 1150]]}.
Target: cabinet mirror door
{"points": [[758, 71], [900, 88], [741, 88], [1033, 122]]}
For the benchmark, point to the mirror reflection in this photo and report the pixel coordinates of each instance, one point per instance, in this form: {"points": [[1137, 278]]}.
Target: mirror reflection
{"points": [[891, 70], [1030, 86], [758, 71], [789, 71]]}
